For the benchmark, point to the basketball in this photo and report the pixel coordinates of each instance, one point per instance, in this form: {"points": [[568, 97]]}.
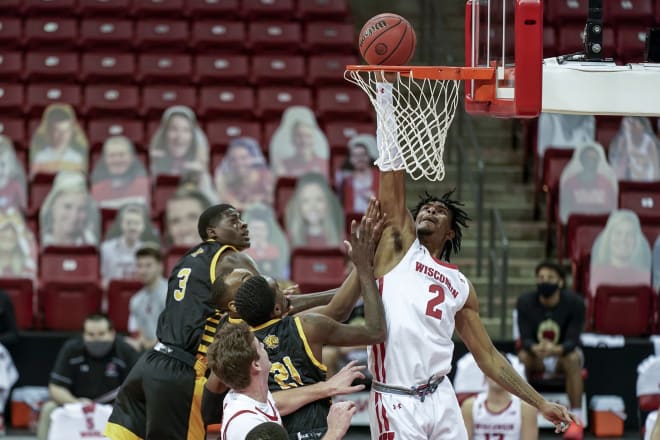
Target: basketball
{"points": [[387, 39]]}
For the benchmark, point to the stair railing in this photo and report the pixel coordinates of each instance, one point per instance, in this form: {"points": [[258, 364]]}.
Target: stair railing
{"points": [[498, 261]]}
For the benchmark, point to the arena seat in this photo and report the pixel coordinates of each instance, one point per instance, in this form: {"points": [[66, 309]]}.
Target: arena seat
{"points": [[99, 130], [112, 68], [554, 162], [650, 227], [338, 156], [221, 69], [218, 36], [164, 187], [39, 187], [570, 39], [606, 128], [221, 132], [159, 34], [272, 101], [237, 101], [205, 9], [157, 8], [173, 256], [164, 68], [11, 66], [284, 188], [641, 197], [616, 12], [60, 8], [114, 100], [316, 270], [565, 11], [73, 264], [322, 10], [631, 41], [342, 103], [43, 32], [67, 304], [40, 96], [10, 6], [21, 292], [274, 36], [114, 34], [105, 8], [323, 70], [278, 69], [273, 9], [581, 232], [120, 293], [11, 98], [156, 99], [11, 34], [51, 66], [329, 37], [624, 310], [14, 129], [339, 132]]}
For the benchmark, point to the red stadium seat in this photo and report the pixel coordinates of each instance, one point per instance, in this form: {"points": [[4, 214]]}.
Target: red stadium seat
{"points": [[637, 11], [10, 6], [156, 99], [272, 101], [153, 8], [340, 132], [162, 34], [40, 96], [221, 69], [220, 133], [623, 310], [69, 264], [277, 36], [164, 68], [278, 9], [222, 101], [570, 40], [40, 186], [329, 37], [564, 11], [317, 269], [322, 10], [606, 128], [631, 42], [278, 69], [11, 66], [218, 36], [338, 156], [67, 304], [117, 100], [112, 68], [120, 293], [284, 189], [164, 187], [98, 130], [21, 292], [108, 33], [32, 8], [343, 103], [641, 197], [51, 32], [11, 98], [14, 129], [103, 8], [209, 8], [328, 69], [173, 256], [554, 161], [53, 66], [10, 32], [650, 227], [581, 232]]}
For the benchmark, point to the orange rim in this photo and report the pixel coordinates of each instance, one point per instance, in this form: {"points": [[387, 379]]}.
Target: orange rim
{"points": [[431, 72]]}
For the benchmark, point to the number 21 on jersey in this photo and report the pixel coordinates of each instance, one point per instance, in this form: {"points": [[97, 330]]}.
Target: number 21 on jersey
{"points": [[433, 306], [182, 276]]}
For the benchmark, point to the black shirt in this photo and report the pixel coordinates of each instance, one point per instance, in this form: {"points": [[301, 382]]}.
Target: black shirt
{"points": [[86, 376], [561, 324]]}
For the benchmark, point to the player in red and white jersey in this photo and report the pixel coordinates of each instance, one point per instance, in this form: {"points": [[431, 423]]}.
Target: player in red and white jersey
{"points": [[425, 299], [242, 413]]}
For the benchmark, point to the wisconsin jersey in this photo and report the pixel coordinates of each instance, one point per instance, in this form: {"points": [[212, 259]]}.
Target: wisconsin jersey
{"points": [[241, 414], [190, 317], [502, 425], [421, 296], [294, 365]]}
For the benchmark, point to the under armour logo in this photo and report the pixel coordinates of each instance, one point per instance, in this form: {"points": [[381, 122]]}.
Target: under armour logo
{"points": [[396, 405]]}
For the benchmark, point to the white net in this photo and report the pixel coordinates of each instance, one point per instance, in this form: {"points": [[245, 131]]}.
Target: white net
{"points": [[413, 115]]}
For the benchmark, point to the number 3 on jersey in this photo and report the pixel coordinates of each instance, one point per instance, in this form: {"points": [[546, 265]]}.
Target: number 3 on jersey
{"points": [[433, 306], [183, 276]]}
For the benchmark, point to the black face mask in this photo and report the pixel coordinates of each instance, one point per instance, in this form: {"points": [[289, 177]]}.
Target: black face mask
{"points": [[546, 289]]}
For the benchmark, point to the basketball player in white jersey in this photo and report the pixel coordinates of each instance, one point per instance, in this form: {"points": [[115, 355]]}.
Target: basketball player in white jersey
{"points": [[425, 298], [495, 414]]}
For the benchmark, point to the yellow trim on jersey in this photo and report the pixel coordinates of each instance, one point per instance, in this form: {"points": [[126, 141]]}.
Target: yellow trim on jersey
{"points": [[234, 320], [308, 349], [265, 324], [202, 348], [118, 432], [214, 321], [207, 338], [208, 328], [214, 260], [195, 423]]}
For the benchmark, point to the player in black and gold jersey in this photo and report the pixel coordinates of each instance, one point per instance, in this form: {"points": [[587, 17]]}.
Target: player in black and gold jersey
{"points": [[160, 398], [294, 343]]}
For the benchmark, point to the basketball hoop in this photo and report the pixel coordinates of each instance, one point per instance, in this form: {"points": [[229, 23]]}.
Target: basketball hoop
{"points": [[424, 102]]}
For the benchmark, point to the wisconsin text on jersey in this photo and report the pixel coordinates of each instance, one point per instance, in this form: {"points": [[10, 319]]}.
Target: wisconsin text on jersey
{"points": [[436, 275]]}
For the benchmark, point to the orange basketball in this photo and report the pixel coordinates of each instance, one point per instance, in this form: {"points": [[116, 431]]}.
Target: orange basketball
{"points": [[387, 39]]}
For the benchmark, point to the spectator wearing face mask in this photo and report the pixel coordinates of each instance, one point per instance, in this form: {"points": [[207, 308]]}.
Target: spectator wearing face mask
{"points": [[88, 369], [550, 320]]}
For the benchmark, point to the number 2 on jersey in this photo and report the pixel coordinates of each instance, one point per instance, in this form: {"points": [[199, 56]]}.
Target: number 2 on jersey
{"points": [[433, 306], [183, 276]]}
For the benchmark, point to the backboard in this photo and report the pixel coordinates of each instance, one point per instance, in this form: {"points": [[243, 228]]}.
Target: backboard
{"points": [[506, 35]]}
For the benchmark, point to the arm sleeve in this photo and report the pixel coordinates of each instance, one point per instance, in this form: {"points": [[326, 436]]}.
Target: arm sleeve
{"points": [[62, 373], [212, 407], [575, 324], [9, 335], [525, 325]]}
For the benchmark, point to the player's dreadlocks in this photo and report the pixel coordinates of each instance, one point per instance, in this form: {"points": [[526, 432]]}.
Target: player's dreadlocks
{"points": [[255, 301], [459, 219]]}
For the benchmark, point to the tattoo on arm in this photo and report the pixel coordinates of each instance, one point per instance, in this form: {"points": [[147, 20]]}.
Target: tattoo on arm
{"points": [[515, 384]]}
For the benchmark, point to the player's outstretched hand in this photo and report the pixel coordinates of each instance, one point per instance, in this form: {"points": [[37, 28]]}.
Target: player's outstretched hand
{"points": [[558, 415], [339, 420], [341, 382], [364, 238]]}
